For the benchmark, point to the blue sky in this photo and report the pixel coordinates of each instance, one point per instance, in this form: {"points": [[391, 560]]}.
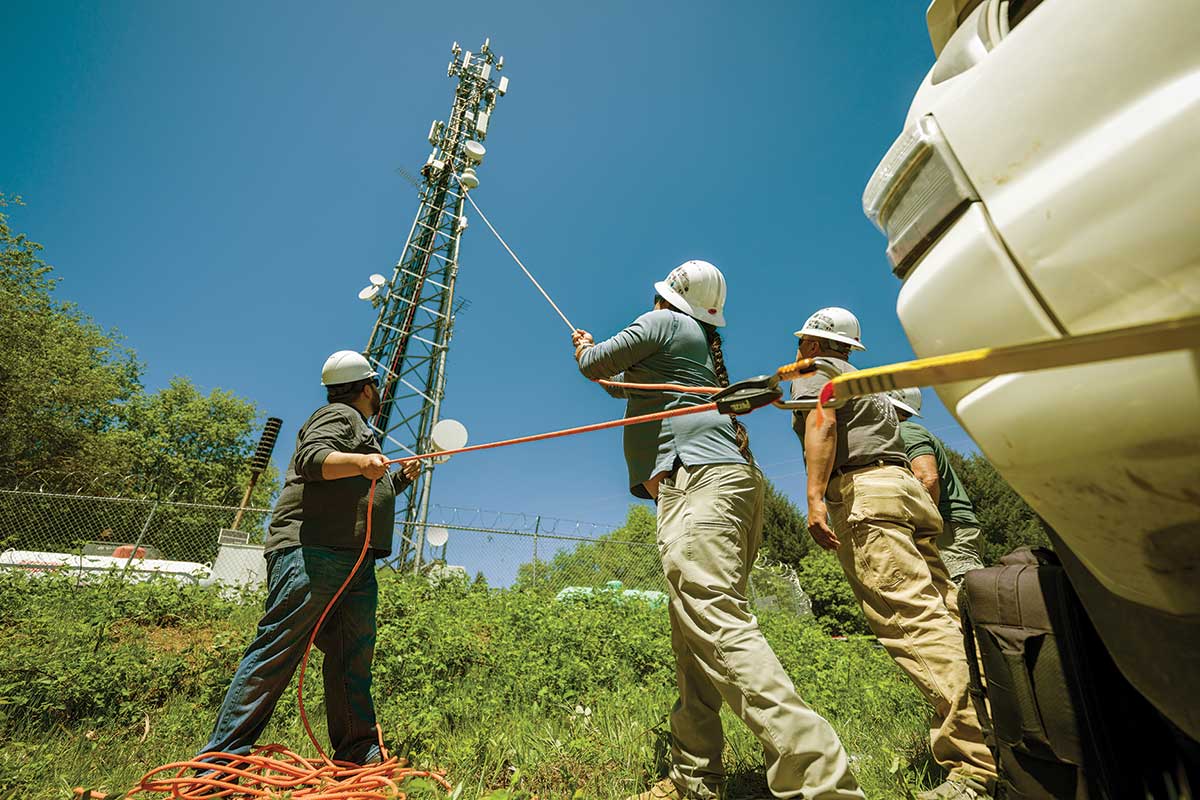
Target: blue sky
{"points": [[217, 180]]}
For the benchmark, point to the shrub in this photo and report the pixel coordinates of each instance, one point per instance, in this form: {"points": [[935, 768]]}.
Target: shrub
{"points": [[833, 603]]}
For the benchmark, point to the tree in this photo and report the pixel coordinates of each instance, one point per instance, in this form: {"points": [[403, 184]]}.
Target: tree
{"points": [[1006, 520], [785, 532], [72, 402], [198, 444], [63, 380], [833, 602]]}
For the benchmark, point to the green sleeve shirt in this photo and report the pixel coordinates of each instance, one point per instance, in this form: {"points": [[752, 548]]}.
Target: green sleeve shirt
{"points": [[664, 346], [953, 502], [333, 513]]}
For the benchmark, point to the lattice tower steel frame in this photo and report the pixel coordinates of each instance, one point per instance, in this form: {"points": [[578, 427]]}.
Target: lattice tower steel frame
{"points": [[411, 337]]}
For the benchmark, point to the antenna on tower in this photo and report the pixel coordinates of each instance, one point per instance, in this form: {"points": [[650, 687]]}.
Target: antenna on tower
{"points": [[416, 305]]}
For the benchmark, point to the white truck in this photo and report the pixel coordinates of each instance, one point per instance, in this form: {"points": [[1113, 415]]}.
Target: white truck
{"points": [[1047, 184]]}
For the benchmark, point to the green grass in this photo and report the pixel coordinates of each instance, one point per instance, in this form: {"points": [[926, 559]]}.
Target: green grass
{"points": [[488, 685]]}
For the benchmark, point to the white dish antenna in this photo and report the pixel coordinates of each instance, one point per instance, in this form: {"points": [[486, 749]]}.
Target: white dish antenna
{"points": [[436, 537], [447, 434], [475, 151], [469, 179], [371, 292]]}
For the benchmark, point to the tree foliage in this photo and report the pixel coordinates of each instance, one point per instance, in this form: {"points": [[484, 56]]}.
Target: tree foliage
{"points": [[1006, 520], [64, 381], [72, 400], [785, 532], [200, 443], [833, 602]]}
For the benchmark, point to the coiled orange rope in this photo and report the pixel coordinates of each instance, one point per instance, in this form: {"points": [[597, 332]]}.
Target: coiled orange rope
{"points": [[275, 772]]}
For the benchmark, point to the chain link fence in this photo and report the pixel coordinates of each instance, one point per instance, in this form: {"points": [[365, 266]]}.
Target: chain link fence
{"points": [[46, 526], [53, 524]]}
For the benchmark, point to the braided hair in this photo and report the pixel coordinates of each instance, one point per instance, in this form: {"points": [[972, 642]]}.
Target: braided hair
{"points": [[718, 357]]}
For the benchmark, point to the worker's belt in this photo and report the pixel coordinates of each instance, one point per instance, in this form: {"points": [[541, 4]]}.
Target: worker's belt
{"points": [[879, 462]]}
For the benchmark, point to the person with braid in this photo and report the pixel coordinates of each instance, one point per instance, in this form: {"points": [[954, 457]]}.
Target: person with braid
{"points": [[699, 471]]}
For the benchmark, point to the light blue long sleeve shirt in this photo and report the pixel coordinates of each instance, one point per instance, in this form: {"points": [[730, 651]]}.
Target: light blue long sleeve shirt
{"points": [[664, 346]]}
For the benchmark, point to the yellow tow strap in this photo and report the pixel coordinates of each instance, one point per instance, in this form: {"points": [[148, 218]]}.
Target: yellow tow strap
{"points": [[988, 362]]}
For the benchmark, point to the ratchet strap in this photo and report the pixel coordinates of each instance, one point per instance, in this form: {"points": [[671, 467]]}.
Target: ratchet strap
{"points": [[988, 362]]}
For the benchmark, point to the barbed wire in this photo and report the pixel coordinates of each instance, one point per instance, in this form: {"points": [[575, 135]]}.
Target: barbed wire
{"points": [[514, 522], [132, 486]]}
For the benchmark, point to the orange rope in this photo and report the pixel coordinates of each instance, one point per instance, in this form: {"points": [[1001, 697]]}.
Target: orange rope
{"points": [[275, 772], [785, 373], [317, 628], [789, 372], [662, 387], [537, 437]]}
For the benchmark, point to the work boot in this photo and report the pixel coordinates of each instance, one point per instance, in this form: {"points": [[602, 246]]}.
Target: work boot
{"points": [[663, 790], [957, 788]]}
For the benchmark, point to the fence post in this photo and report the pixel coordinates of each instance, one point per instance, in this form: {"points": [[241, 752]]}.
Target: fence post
{"points": [[141, 537], [102, 627], [537, 524]]}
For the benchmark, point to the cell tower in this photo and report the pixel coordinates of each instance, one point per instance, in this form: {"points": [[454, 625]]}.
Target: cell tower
{"points": [[411, 337]]}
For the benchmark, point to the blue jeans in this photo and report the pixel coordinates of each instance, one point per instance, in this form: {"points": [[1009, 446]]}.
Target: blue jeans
{"points": [[300, 583]]}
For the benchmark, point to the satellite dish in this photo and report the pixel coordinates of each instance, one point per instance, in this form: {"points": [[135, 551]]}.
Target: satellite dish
{"points": [[377, 280], [437, 536], [368, 292], [469, 179], [448, 434], [475, 151]]}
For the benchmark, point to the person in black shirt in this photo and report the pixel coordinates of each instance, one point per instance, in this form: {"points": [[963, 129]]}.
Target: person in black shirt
{"points": [[314, 540]]}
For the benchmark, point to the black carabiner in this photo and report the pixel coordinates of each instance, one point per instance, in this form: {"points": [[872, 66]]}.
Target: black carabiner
{"points": [[745, 396]]}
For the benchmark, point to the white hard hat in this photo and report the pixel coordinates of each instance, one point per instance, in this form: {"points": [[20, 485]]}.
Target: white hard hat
{"points": [[346, 366], [836, 324], [907, 400], [696, 288]]}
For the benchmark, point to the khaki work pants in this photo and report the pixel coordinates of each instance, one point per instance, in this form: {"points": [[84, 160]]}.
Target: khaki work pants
{"points": [[888, 528], [709, 531]]}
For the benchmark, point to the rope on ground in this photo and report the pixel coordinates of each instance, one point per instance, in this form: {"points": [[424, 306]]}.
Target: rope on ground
{"points": [[274, 771]]}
